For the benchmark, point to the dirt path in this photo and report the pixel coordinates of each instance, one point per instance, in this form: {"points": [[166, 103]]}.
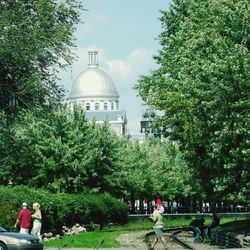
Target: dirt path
{"points": [[136, 240], [133, 240]]}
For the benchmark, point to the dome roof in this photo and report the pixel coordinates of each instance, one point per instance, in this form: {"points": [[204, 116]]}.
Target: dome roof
{"points": [[93, 81]]}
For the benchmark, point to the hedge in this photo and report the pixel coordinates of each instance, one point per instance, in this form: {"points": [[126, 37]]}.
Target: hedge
{"points": [[61, 209]]}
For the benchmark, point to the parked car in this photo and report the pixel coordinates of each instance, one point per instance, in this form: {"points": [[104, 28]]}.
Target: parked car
{"points": [[17, 241]]}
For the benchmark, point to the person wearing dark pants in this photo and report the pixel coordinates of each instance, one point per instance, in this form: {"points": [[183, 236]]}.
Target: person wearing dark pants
{"points": [[215, 223], [198, 227]]}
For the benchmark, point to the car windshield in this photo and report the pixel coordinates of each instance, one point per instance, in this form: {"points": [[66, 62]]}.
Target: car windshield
{"points": [[2, 230]]}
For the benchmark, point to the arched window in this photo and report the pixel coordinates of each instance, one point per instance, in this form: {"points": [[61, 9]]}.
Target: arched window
{"points": [[105, 106], [112, 106], [96, 106], [87, 106]]}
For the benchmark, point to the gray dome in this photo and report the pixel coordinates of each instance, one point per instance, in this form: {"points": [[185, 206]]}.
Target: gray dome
{"points": [[93, 81]]}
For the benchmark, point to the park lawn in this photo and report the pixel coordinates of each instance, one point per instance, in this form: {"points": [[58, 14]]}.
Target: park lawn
{"points": [[110, 234], [86, 240]]}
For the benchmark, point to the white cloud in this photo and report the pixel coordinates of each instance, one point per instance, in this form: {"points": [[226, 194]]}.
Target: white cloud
{"points": [[126, 72], [141, 57], [119, 69]]}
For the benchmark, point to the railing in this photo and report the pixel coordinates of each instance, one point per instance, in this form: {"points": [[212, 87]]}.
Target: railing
{"points": [[190, 209]]}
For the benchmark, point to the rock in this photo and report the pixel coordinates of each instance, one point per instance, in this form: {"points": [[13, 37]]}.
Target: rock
{"points": [[50, 234], [77, 228]]}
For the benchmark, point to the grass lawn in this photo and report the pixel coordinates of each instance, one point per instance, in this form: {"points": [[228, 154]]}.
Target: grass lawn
{"points": [[87, 240], [109, 234]]}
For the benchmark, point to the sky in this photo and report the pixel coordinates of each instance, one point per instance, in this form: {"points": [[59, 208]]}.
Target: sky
{"points": [[124, 32]]}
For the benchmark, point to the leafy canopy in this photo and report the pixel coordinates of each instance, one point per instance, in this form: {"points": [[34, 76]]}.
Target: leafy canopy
{"points": [[36, 39], [203, 86]]}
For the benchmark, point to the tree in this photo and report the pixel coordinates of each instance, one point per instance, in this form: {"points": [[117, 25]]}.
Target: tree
{"points": [[36, 39], [102, 158], [154, 169], [202, 85], [46, 150], [5, 149], [65, 153], [57, 150]]}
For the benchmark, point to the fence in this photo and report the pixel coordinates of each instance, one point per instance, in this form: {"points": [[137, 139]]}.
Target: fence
{"points": [[147, 208]]}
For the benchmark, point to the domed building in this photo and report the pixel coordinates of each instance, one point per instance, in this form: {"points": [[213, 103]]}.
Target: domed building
{"points": [[95, 91]]}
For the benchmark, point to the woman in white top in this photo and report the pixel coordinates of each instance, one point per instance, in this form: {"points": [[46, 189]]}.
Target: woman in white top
{"points": [[37, 221]]}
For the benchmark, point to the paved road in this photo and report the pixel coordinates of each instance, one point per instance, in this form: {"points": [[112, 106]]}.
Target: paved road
{"points": [[94, 248], [122, 248]]}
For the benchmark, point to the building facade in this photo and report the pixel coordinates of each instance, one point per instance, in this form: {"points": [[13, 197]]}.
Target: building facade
{"points": [[147, 124], [95, 91]]}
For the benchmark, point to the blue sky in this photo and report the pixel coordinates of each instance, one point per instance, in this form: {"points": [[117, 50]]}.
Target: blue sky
{"points": [[124, 32]]}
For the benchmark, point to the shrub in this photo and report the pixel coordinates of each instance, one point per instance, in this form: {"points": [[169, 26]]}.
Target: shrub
{"points": [[117, 211], [61, 209]]}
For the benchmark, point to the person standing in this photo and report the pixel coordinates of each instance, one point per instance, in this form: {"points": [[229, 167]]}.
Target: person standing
{"points": [[174, 207], [37, 221], [157, 218], [160, 207], [23, 219]]}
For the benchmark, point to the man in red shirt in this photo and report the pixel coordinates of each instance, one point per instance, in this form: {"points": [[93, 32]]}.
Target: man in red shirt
{"points": [[23, 219]]}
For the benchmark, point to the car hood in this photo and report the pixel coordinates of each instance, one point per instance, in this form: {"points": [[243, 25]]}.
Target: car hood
{"points": [[17, 235]]}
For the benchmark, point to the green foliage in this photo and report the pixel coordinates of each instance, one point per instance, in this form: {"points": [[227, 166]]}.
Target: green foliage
{"points": [[154, 169], [102, 155], [65, 153], [61, 209], [5, 148], [61, 152], [8, 215], [116, 210], [202, 85], [36, 39]]}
